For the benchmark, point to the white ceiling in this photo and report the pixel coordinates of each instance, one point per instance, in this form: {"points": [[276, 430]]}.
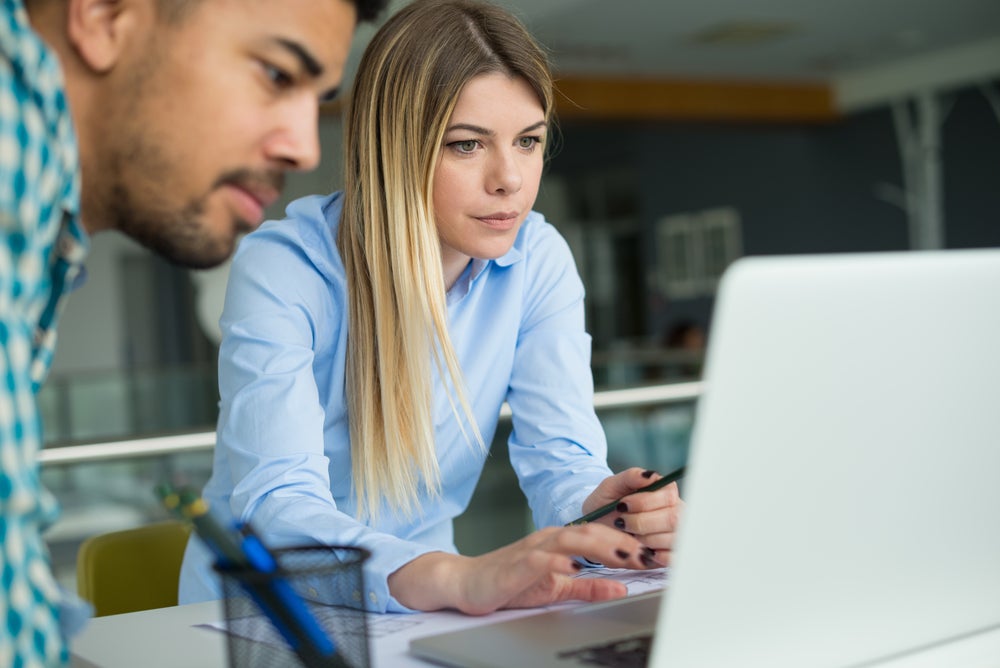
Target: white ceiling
{"points": [[657, 37], [825, 39]]}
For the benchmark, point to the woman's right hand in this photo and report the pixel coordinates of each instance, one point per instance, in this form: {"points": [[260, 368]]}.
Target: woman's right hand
{"points": [[534, 571]]}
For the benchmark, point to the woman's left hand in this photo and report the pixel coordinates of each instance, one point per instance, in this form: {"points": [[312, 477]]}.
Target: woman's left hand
{"points": [[652, 517]]}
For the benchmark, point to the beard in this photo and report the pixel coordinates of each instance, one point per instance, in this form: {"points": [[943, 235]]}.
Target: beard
{"points": [[181, 232]]}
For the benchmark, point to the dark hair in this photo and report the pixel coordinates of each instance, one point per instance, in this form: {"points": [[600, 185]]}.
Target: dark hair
{"points": [[173, 11], [368, 10]]}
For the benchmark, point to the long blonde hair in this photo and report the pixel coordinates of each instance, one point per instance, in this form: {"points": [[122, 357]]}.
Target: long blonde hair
{"points": [[407, 84]]}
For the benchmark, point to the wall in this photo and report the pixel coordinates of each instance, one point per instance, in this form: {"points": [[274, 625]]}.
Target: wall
{"points": [[799, 189]]}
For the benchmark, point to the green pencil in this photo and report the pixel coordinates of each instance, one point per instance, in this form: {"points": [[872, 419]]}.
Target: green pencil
{"points": [[604, 510]]}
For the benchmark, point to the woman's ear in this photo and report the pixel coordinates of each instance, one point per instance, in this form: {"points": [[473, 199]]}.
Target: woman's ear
{"points": [[100, 30]]}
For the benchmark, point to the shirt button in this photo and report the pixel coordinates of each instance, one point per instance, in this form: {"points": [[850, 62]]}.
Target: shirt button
{"points": [[64, 247], [356, 595], [313, 592], [372, 597]]}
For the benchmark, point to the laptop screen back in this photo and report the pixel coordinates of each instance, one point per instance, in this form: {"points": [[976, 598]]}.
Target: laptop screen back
{"points": [[844, 488]]}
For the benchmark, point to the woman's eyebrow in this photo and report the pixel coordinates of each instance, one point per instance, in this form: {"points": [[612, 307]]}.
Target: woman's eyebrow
{"points": [[489, 133]]}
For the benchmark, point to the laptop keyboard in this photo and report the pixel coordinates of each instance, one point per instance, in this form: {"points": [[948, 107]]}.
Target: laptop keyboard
{"points": [[628, 653]]}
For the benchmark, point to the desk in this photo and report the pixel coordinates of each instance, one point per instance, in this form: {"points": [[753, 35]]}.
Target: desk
{"points": [[171, 637], [168, 638]]}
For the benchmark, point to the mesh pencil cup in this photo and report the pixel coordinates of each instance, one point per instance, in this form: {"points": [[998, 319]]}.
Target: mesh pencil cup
{"points": [[295, 616]]}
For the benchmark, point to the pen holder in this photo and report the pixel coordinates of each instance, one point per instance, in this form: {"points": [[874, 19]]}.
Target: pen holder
{"points": [[322, 581]]}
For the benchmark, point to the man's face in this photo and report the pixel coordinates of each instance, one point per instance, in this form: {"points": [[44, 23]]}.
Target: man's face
{"points": [[205, 116]]}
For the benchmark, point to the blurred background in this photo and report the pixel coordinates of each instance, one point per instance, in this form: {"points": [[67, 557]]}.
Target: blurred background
{"points": [[691, 134]]}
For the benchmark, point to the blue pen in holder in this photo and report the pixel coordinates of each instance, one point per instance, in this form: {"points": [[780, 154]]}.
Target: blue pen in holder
{"points": [[293, 614]]}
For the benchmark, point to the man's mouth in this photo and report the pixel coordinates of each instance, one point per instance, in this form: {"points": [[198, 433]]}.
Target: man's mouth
{"points": [[252, 194]]}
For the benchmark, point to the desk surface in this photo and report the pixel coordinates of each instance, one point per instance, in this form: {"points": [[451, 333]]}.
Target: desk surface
{"points": [[170, 637]]}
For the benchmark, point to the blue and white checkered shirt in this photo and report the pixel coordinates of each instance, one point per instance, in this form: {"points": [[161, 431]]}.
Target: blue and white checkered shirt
{"points": [[42, 247]]}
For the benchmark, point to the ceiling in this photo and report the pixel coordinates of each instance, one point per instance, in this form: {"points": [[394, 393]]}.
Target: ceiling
{"points": [[772, 40]]}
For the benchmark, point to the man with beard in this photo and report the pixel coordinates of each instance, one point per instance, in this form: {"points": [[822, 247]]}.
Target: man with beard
{"points": [[172, 121]]}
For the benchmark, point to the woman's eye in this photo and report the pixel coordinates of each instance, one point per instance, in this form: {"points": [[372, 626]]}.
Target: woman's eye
{"points": [[467, 146]]}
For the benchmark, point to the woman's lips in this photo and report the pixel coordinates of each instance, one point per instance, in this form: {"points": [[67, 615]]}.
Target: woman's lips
{"points": [[500, 220]]}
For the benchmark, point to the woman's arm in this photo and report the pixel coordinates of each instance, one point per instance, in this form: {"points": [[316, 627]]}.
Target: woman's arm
{"points": [[534, 571], [283, 459], [558, 446]]}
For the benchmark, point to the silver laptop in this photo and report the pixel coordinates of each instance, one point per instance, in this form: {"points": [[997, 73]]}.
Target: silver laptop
{"points": [[844, 486]]}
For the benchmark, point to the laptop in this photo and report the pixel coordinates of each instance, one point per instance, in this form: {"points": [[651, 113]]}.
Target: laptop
{"points": [[843, 492]]}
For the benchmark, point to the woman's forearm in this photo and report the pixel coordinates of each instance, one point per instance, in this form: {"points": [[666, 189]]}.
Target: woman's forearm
{"points": [[432, 581]]}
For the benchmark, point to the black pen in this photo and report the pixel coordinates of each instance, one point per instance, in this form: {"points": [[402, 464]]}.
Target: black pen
{"points": [[604, 510]]}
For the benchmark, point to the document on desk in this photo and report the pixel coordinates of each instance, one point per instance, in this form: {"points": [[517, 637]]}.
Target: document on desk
{"points": [[390, 634]]}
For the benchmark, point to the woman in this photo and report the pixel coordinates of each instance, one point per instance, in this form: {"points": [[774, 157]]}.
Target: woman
{"points": [[372, 336]]}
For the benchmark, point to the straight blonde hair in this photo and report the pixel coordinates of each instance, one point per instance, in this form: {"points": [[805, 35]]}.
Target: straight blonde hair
{"points": [[407, 85]]}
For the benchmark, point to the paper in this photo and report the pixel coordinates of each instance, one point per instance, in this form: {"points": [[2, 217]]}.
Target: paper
{"points": [[389, 635]]}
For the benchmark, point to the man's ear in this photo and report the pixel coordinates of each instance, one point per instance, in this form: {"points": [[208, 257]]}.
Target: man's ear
{"points": [[99, 30]]}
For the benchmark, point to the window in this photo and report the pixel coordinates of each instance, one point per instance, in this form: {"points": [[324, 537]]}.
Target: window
{"points": [[693, 249]]}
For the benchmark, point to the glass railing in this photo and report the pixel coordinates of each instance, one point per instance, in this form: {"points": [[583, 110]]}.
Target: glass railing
{"points": [[106, 405]]}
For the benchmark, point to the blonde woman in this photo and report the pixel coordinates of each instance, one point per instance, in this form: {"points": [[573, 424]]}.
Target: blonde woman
{"points": [[372, 336]]}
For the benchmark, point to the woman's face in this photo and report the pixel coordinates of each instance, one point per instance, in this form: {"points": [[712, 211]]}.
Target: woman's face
{"points": [[487, 177]]}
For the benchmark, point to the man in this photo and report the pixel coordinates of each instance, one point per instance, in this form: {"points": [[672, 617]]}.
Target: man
{"points": [[172, 121]]}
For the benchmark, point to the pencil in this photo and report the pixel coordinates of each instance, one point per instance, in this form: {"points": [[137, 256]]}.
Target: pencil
{"points": [[604, 510]]}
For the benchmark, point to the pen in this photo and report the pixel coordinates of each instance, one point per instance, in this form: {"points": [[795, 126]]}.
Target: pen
{"points": [[275, 597], [260, 559], [604, 510]]}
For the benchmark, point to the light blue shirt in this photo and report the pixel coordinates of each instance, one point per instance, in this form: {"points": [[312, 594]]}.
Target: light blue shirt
{"points": [[283, 457]]}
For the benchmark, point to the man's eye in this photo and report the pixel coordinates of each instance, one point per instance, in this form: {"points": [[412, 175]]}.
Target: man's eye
{"points": [[279, 77]]}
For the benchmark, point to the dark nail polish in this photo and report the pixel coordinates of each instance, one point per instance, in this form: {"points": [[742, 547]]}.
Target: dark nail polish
{"points": [[577, 565], [622, 554], [622, 507], [620, 523], [647, 560], [649, 551], [648, 474]]}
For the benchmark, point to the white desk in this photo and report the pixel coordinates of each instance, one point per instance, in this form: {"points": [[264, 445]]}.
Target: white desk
{"points": [[163, 638], [171, 637], [168, 638]]}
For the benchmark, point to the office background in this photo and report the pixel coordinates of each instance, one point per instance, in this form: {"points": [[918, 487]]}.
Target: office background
{"points": [[657, 186]]}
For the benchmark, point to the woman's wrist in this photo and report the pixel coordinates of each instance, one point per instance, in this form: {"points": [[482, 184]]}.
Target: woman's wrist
{"points": [[432, 581]]}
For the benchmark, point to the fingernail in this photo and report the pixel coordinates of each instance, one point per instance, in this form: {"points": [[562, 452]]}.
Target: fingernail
{"points": [[622, 554], [622, 507], [648, 474], [620, 523]]}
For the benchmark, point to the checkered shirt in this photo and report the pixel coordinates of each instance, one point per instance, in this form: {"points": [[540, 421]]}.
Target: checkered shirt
{"points": [[42, 247]]}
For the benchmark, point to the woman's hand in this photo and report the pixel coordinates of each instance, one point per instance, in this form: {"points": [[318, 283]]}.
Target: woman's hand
{"points": [[651, 517], [534, 571]]}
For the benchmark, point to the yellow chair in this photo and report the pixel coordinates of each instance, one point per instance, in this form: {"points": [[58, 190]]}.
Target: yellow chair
{"points": [[131, 570]]}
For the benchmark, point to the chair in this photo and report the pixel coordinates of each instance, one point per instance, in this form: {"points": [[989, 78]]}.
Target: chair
{"points": [[131, 570]]}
